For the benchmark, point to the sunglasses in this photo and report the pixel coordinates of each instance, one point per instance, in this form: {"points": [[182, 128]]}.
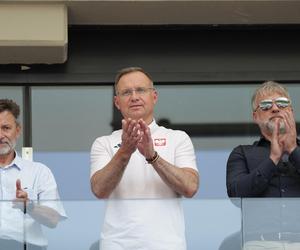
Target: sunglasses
{"points": [[267, 104]]}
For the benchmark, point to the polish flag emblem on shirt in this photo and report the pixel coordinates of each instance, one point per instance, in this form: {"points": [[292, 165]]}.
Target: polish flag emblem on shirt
{"points": [[160, 142]]}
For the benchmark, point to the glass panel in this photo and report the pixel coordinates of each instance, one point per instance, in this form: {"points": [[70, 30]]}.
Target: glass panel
{"points": [[12, 233], [212, 224], [271, 223], [16, 94], [65, 122], [81, 229], [205, 225], [213, 103], [204, 103], [69, 118]]}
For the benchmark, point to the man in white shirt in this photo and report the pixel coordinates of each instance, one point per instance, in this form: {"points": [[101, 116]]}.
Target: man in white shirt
{"points": [[142, 161], [28, 190]]}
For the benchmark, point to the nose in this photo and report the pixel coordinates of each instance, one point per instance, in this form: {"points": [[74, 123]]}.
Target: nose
{"points": [[275, 109], [134, 95]]}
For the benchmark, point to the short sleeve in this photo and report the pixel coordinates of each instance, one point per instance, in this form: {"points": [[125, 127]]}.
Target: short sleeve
{"points": [[47, 190], [100, 155], [184, 152]]}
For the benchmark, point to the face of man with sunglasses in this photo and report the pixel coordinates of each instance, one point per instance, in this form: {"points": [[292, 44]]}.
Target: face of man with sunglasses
{"points": [[274, 115]]}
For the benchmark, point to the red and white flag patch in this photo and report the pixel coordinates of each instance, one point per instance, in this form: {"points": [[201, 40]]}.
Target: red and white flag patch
{"points": [[160, 142]]}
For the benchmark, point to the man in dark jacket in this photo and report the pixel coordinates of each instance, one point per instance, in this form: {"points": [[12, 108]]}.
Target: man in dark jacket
{"points": [[270, 167]]}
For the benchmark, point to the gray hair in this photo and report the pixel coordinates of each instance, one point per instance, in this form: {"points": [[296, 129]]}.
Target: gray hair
{"points": [[268, 87]]}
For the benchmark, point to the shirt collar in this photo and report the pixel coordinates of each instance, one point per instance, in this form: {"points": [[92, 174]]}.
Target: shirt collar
{"points": [[262, 141], [153, 125], [16, 162]]}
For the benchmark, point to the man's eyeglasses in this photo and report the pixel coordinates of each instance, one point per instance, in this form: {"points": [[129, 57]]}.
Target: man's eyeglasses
{"points": [[139, 91], [281, 102]]}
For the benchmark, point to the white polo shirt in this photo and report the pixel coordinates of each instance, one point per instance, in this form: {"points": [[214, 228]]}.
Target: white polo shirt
{"points": [[144, 224], [38, 181]]}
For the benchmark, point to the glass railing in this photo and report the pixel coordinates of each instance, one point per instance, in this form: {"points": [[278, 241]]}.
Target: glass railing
{"points": [[225, 224], [271, 223], [206, 222], [12, 225]]}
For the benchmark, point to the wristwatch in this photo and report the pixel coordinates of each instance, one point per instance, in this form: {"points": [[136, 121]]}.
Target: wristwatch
{"points": [[153, 159]]}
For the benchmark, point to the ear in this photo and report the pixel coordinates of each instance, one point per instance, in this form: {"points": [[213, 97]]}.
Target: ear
{"points": [[293, 113], [117, 101], [19, 130], [155, 96], [254, 117]]}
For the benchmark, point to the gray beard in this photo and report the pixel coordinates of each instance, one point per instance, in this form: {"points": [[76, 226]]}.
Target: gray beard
{"points": [[270, 127], [7, 148]]}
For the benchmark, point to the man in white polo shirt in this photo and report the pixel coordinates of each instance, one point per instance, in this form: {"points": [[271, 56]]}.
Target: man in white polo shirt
{"points": [[28, 190], [142, 169]]}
